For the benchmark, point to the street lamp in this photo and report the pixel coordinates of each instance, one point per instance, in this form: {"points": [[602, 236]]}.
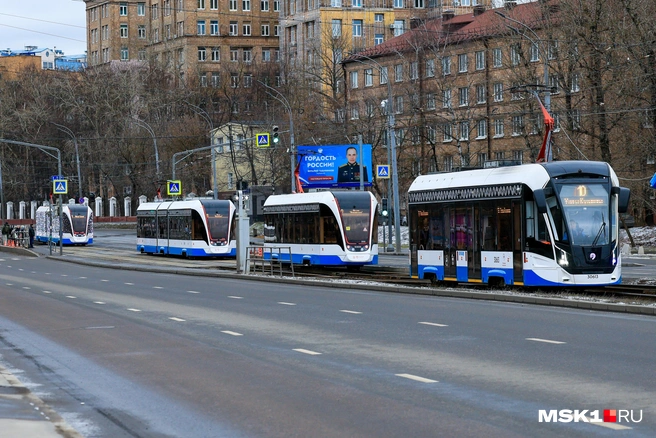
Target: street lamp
{"points": [[200, 111], [77, 155], [147, 127], [388, 105], [292, 151], [539, 44]]}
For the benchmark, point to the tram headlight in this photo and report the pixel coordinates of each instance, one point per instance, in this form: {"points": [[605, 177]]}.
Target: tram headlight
{"points": [[563, 260]]}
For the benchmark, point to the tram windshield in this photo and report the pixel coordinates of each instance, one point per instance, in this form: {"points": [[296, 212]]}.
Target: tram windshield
{"points": [[355, 209], [79, 218], [586, 214], [218, 221]]}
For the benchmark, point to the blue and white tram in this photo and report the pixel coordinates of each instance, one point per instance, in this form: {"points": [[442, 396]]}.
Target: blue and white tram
{"points": [[195, 228], [77, 224], [323, 228], [548, 224]]}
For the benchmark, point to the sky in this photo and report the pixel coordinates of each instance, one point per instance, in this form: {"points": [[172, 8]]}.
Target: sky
{"points": [[49, 24]]}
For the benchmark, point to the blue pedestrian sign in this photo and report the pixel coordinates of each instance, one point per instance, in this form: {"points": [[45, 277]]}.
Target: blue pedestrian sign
{"points": [[382, 171], [262, 140], [59, 186], [174, 188]]}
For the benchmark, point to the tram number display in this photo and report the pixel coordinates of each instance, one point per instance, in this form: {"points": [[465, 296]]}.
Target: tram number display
{"points": [[583, 197], [593, 276]]}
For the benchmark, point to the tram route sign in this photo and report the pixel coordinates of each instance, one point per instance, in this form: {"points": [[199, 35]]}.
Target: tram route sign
{"points": [[59, 186]]}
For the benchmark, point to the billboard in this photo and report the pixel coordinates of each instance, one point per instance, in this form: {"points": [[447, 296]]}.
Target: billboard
{"points": [[334, 165]]}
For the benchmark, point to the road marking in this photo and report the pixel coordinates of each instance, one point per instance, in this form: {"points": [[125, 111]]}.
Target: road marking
{"points": [[351, 311], [83, 278], [228, 332], [27, 287], [99, 302], [310, 352], [64, 275], [104, 280], [47, 292], [193, 292], [286, 304], [433, 324], [70, 296], [101, 327], [158, 287], [134, 310], [548, 341], [177, 319], [9, 284], [20, 269], [129, 284], [236, 298], [417, 378]]}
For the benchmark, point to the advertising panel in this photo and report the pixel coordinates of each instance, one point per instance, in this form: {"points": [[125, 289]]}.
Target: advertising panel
{"points": [[334, 165]]}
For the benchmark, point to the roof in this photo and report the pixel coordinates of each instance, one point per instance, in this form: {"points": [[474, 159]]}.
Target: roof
{"points": [[448, 30]]}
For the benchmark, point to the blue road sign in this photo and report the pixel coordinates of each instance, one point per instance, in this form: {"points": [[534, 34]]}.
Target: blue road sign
{"points": [[262, 140], [174, 188], [59, 186], [382, 171]]}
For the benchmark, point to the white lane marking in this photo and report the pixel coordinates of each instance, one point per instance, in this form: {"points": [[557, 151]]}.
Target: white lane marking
{"points": [[83, 278], [158, 287], [174, 318], [417, 378], [286, 304], [20, 269], [613, 426], [193, 292], [27, 287], [433, 324], [228, 332], [548, 341], [64, 275], [101, 327], [47, 292], [310, 352], [129, 284], [351, 311], [99, 302], [134, 310], [33, 272], [70, 296], [104, 280], [236, 298], [9, 284]]}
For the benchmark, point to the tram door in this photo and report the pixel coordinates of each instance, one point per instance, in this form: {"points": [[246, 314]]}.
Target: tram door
{"points": [[518, 260], [450, 249]]}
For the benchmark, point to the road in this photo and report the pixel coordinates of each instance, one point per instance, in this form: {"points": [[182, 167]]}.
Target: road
{"points": [[139, 354]]}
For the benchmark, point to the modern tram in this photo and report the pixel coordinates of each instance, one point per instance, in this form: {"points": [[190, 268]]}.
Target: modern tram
{"points": [[77, 224], [338, 228], [194, 228], [541, 225]]}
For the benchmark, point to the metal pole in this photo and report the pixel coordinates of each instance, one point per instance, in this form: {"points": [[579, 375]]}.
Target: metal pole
{"points": [[77, 156], [206, 116], [147, 127], [361, 165]]}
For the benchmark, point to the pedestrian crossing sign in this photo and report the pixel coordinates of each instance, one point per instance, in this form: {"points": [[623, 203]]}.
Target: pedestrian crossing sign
{"points": [[382, 171], [262, 140], [59, 186], [174, 188]]}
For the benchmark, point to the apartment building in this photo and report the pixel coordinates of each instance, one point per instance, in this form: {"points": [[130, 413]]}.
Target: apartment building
{"points": [[196, 39]]}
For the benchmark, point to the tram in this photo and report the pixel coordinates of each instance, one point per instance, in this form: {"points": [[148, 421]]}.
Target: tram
{"points": [[338, 228], [194, 228], [77, 224], [547, 224]]}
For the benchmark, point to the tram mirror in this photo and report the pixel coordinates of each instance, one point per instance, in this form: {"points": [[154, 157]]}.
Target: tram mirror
{"points": [[540, 200], [623, 198]]}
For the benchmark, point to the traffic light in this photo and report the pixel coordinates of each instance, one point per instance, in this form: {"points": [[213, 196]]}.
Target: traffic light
{"points": [[276, 136], [384, 211]]}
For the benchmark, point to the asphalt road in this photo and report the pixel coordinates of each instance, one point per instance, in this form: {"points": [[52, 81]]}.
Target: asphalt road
{"points": [[138, 354]]}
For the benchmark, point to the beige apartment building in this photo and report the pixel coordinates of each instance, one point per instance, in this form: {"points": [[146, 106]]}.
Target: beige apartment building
{"points": [[196, 39]]}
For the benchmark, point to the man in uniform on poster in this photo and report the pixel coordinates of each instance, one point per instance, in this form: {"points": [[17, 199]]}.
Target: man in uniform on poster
{"points": [[350, 172]]}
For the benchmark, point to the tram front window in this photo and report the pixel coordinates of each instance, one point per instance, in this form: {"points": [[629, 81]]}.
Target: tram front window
{"points": [[218, 229], [586, 214], [79, 218], [355, 208]]}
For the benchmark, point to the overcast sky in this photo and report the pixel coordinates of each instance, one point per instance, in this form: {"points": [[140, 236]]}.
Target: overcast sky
{"points": [[44, 23]]}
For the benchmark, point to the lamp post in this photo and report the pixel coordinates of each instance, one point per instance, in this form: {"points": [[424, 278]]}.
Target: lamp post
{"points": [[77, 155], [539, 44], [147, 127], [389, 107], [292, 151], [200, 111]]}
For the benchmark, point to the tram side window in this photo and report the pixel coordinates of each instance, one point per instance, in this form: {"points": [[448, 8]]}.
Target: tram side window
{"points": [[330, 229], [374, 234], [505, 226], [146, 227], [557, 216], [162, 232], [489, 227]]}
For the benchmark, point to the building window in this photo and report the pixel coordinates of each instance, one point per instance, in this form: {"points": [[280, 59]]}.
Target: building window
{"points": [[214, 27], [233, 28], [354, 79], [482, 158], [498, 128], [398, 72], [202, 80], [355, 112], [576, 120], [446, 98], [576, 83], [414, 70], [464, 130], [125, 54], [246, 5], [535, 52], [216, 54], [201, 4], [430, 101], [398, 104], [378, 39], [202, 54], [498, 92], [234, 80], [497, 58], [141, 9], [515, 54], [247, 56], [264, 5], [266, 55], [398, 25], [379, 18], [448, 163], [123, 9], [430, 68], [517, 125], [124, 30], [215, 80], [398, 3], [234, 55], [357, 28], [200, 27], [480, 60], [265, 30], [446, 66], [481, 127], [463, 96], [518, 156], [248, 81], [337, 28], [214, 4], [368, 77], [276, 5], [246, 28], [499, 155], [462, 63], [141, 32], [356, 3], [481, 94], [383, 78], [447, 132]]}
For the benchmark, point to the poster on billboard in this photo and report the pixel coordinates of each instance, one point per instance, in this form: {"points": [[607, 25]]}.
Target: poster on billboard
{"points": [[334, 165]]}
